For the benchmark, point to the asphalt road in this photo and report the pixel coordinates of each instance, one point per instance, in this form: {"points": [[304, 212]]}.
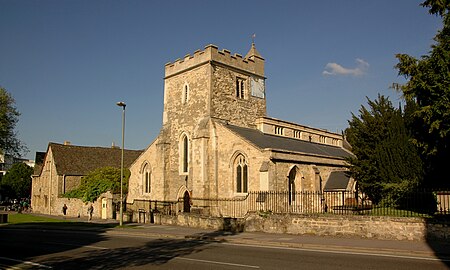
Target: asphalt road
{"points": [[56, 249]]}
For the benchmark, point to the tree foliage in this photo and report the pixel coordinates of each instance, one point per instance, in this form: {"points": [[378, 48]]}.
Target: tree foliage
{"points": [[439, 7], [98, 182], [386, 163], [16, 183], [9, 116], [428, 92]]}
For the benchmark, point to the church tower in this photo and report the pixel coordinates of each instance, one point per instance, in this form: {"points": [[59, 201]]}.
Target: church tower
{"points": [[214, 84], [201, 89]]}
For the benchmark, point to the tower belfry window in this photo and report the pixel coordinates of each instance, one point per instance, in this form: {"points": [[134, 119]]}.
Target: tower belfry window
{"points": [[240, 88]]}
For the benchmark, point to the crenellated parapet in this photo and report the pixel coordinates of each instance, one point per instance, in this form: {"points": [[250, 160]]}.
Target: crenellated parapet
{"points": [[253, 64]]}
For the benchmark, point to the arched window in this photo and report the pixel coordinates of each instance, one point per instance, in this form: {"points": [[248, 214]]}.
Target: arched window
{"points": [[291, 185], [146, 178], [241, 171], [184, 154], [185, 94]]}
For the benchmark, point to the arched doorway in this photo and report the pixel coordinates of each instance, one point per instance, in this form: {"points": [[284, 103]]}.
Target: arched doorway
{"points": [[291, 185], [186, 202]]}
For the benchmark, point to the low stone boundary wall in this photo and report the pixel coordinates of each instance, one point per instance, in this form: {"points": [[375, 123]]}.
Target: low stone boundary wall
{"points": [[387, 228], [199, 221]]}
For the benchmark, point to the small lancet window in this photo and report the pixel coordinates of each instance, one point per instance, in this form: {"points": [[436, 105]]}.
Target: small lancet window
{"points": [[184, 154], [185, 94]]}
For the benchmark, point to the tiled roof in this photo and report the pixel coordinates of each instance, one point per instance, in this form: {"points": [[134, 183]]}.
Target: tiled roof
{"points": [[80, 160], [263, 141]]}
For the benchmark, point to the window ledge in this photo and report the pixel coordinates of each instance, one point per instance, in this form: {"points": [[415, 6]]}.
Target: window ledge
{"points": [[240, 194]]}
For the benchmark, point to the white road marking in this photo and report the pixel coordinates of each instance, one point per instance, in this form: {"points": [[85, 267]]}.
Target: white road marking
{"points": [[25, 262], [221, 263], [345, 252]]}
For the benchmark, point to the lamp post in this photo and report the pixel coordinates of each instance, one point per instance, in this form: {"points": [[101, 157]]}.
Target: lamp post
{"points": [[123, 105]]}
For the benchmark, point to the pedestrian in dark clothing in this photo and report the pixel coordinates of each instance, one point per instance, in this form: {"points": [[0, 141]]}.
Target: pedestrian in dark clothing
{"points": [[90, 210], [64, 209]]}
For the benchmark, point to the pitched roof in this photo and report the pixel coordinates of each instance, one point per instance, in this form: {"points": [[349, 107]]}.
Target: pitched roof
{"points": [[263, 141], [80, 160], [338, 180], [253, 52]]}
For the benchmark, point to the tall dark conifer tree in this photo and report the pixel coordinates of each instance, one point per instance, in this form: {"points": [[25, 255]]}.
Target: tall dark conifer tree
{"points": [[386, 163], [428, 94]]}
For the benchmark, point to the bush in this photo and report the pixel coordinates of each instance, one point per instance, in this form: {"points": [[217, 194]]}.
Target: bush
{"points": [[98, 182]]}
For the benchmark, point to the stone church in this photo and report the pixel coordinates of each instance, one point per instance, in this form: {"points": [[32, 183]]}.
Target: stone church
{"points": [[217, 142]]}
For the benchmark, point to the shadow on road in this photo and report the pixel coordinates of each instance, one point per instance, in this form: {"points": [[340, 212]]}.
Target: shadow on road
{"points": [[19, 241], [437, 237], [155, 252], [52, 244]]}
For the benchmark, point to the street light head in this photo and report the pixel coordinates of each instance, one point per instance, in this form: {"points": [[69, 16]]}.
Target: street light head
{"points": [[121, 104]]}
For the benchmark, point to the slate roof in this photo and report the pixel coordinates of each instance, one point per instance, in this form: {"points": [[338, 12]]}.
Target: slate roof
{"points": [[338, 180], [80, 160], [263, 141]]}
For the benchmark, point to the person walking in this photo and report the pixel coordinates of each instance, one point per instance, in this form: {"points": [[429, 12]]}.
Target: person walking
{"points": [[64, 209], [90, 211]]}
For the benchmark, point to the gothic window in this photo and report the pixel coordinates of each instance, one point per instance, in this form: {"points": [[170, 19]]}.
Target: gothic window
{"points": [[147, 178], [185, 94], [240, 88], [291, 185], [297, 134], [241, 170], [184, 154]]}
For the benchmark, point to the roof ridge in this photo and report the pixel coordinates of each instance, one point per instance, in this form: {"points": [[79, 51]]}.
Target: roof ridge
{"points": [[90, 147]]}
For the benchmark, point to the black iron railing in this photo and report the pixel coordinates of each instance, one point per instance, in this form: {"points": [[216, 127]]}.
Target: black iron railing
{"points": [[420, 203]]}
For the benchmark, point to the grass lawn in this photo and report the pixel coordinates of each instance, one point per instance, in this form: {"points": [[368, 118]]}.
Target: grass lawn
{"points": [[27, 218], [16, 219], [387, 211]]}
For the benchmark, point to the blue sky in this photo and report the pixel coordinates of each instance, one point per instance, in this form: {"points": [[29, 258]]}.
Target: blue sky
{"points": [[67, 63]]}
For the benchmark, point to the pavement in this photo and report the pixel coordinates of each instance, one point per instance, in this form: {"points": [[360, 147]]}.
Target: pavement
{"points": [[427, 248]]}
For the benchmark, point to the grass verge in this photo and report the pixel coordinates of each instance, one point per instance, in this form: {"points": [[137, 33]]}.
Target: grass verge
{"points": [[27, 218], [38, 221]]}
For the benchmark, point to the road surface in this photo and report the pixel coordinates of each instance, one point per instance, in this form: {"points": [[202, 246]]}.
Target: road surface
{"points": [[59, 249]]}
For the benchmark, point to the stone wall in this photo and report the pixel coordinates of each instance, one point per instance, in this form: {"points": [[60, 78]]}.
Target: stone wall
{"points": [[387, 228], [75, 208], [384, 228], [191, 220]]}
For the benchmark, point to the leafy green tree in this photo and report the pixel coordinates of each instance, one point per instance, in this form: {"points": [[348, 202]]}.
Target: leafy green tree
{"points": [[428, 93], [9, 116], [16, 183], [386, 163], [98, 182]]}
